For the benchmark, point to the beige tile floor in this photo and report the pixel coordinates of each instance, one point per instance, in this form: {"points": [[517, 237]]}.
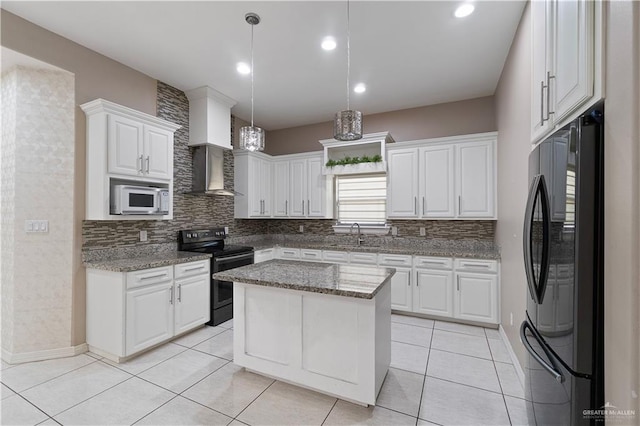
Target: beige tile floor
{"points": [[441, 373]]}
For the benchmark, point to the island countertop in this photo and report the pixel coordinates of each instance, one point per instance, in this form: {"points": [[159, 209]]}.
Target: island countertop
{"points": [[329, 278]]}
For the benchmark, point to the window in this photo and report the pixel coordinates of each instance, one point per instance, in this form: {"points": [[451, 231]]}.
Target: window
{"points": [[362, 199]]}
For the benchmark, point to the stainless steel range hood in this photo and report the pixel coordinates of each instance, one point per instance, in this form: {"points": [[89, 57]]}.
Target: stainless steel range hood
{"points": [[208, 171]]}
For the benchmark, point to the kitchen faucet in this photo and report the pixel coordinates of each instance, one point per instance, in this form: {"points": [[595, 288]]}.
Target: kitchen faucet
{"points": [[358, 240]]}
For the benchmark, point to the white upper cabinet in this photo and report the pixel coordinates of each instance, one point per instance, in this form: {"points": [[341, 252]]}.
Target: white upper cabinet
{"points": [[298, 187], [437, 186], [282, 186], [280, 189], [316, 188], [125, 145], [566, 61], [402, 183], [475, 181], [446, 178]]}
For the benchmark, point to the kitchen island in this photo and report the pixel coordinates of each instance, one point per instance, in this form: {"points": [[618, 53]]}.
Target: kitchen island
{"points": [[322, 326]]}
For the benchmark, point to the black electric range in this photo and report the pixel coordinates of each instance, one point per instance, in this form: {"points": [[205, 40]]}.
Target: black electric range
{"points": [[225, 257]]}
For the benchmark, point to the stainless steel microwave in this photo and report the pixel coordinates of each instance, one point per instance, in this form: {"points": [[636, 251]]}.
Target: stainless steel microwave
{"points": [[129, 199]]}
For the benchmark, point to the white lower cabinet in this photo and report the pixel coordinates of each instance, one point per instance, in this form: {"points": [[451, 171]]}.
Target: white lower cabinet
{"points": [[433, 292], [401, 290], [192, 301], [476, 298], [128, 312], [149, 316]]}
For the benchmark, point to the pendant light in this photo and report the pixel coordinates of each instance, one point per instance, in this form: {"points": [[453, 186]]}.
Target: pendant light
{"points": [[347, 125], [252, 137]]}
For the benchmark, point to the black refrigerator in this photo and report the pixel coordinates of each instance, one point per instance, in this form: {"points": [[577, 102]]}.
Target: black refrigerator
{"points": [[563, 333]]}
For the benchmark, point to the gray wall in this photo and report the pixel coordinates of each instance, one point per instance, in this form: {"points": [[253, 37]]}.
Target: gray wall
{"points": [[513, 114], [433, 121], [96, 76]]}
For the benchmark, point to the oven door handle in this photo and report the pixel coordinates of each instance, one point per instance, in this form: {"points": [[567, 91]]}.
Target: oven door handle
{"points": [[238, 256]]}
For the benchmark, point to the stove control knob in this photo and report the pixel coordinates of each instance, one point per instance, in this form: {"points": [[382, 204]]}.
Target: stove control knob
{"points": [[195, 235], [188, 235]]}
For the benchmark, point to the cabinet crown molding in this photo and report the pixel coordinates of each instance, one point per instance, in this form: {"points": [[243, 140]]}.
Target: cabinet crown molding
{"points": [[104, 106], [473, 137]]}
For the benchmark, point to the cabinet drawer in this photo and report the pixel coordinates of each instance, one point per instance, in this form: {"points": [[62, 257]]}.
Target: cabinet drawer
{"points": [[433, 262], [364, 258], [335, 256], [191, 268], [263, 255], [149, 276], [394, 260], [288, 253], [307, 254], [476, 265]]}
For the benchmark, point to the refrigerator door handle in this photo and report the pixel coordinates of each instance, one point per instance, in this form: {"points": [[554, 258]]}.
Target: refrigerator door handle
{"points": [[537, 287], [551, 369]]}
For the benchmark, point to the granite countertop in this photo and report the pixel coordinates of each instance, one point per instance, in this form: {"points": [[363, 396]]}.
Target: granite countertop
{"points": [[417, 250], [362, 282], [146, 262]]}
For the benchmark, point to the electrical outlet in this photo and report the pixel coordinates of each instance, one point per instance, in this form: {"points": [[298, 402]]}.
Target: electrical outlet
{"points": [[143, 236], [226, 230], [301, 229], [394, 231], [511, 319], [423, 231]]}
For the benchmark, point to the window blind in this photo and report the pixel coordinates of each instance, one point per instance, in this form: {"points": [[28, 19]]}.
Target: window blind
{"points": [[362, 199]]}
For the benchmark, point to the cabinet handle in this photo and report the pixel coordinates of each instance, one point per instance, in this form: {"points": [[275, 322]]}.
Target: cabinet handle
{"points": [[422, 206], [148, 277], [286, 208], [171, 296], [416, 278], [409, 281], [549, 77], [140, 159], [308, 209], [302, 207], [433, 263], [542, 119], [459, 204], [193, 268], [179, 292], [469, 265], [415, 205], [147, 164], [458, 282]]}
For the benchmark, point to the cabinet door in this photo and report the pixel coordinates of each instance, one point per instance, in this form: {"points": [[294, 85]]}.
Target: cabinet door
{"points": [[192, 302], [125, 146], [316, 188], [265, 187], [158, 153], [433, 293], [541, 62], [573, 55], [298, 188], [476, 297], [437, 188], [263, 255], [281, 188], [475, 173], [401, 291], [402, 183], [254, 187], [149, 316]]}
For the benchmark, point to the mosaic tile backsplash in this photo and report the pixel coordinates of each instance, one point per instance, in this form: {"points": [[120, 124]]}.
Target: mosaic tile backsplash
{"points": [[198, 211]]}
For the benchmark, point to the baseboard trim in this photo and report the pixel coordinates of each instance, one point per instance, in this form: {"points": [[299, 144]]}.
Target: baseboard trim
{"points": [[19, 358], [512, 355]]}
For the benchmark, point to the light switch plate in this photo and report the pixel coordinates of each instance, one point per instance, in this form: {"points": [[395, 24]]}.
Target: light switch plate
{"points": [[36, 226], [143, 236], [301, 229], [226, 230], [423, 231], [394, 231]]}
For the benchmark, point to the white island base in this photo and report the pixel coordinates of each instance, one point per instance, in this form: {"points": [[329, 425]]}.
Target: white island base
{"points": [[337, 345]]}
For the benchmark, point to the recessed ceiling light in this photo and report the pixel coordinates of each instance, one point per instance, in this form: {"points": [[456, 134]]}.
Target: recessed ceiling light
{"points": [[360, 88], [328, 43], [243, 68], [464, 10]]}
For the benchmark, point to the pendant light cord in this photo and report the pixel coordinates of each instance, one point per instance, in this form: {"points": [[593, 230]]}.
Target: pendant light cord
{"points": [[348, 58], [252, 25]]}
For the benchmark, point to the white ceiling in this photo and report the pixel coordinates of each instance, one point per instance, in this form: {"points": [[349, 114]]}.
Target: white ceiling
{"points": [[409, 54]]}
